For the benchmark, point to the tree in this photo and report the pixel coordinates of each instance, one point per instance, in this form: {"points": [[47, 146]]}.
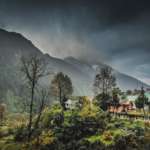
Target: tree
{"points": [[2, 111], [135, 92], [129, 92], [43, 100], [141, 101], [104, 81], [33, 68], [115, 93], [103, 100], [61, 87]]}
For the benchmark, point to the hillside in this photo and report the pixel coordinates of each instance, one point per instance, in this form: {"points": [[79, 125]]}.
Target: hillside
{"points": [[14, 45]]}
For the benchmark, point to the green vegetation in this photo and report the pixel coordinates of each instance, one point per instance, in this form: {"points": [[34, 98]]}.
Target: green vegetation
{"points": [[86, 126]]}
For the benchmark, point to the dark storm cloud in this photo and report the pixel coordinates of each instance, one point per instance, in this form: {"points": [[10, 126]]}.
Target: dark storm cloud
{"points": [[114, 31], [115, 11]]}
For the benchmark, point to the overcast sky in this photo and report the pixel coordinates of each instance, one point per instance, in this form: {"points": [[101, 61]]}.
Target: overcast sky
{"points": [[116, 32]]}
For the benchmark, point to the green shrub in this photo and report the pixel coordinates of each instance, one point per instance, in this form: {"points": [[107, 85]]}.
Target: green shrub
{"points": [[52, 116], [20, 134], [12, 146]]}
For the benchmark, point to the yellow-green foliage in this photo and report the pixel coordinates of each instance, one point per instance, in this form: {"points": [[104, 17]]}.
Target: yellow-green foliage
{"points": [[7, 143], [94, 138], [4, 131], [12, 146], [16, 120], [107, 138], [45, 138], [48, 114], [88, 108], [11, 123], [125, 123]]}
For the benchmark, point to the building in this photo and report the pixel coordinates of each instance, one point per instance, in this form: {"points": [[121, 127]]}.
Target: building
{"points": [[122, 107], [70, 104]]}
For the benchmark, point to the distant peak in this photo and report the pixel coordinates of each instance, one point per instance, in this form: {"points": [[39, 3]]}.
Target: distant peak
{"points": [[47, 55], [10, 32], [2, 30]]}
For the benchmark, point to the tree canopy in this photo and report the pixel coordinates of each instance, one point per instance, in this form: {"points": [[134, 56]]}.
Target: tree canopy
{"points": [[61, 87]]}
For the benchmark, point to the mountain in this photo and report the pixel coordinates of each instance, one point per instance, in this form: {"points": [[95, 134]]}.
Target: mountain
{"points": [[125, 82], [13, 46]]}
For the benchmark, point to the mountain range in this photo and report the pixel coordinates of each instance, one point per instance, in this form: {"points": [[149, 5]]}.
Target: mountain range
{"points": [[14, 45]]}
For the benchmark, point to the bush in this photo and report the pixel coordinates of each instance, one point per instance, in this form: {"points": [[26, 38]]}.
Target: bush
{"points": [[127, 142], [52, 117], [12, 146], [20, 134], [44, 139]]}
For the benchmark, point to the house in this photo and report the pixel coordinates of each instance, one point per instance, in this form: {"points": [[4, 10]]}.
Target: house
{"points": [[122, 107], [70, 104]]}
